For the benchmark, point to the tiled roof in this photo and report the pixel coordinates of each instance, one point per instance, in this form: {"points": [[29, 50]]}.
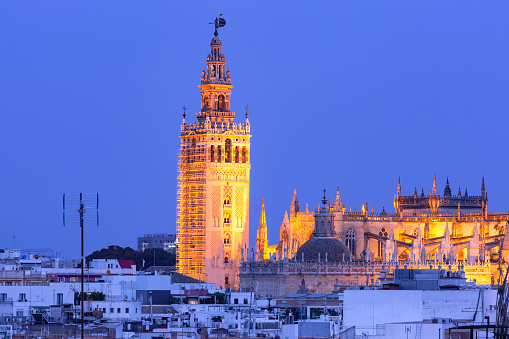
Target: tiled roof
{"points": [[180, 278], [126, 263]]}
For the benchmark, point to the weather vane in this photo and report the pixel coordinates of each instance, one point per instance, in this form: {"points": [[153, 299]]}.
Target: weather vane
{"points": [[219, 22], [184, 109], [247, 111]]}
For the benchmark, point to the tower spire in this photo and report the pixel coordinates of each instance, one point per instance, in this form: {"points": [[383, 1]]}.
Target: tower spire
{"points": [[338, 204], [447, 190], [294, 207], [263, 220], [261, 236], [215, 100]]}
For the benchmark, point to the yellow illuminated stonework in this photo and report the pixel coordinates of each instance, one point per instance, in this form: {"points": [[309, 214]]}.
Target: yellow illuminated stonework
{"points": [[213, 190], [448, 231]]}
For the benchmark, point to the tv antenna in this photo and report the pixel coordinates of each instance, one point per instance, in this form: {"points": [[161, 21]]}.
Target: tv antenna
{"points": [[81, 209], [219, 22]]}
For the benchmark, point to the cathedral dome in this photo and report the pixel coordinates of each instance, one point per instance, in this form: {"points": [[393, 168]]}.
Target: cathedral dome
{"points": [[322, 245]]}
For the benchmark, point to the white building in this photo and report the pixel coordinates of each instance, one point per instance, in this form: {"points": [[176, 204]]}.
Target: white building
{"points": [[373, 311]]}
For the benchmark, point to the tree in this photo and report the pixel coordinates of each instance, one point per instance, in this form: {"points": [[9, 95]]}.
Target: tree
{"points": [[162, 258]]}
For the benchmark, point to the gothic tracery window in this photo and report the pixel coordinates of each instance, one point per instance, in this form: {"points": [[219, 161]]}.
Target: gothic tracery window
{"points": [[382, 233], [350, 240]]}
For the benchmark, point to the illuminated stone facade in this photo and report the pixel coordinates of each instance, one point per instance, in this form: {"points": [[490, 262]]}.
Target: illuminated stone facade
{"points": [[434, 229], [213, 190]]}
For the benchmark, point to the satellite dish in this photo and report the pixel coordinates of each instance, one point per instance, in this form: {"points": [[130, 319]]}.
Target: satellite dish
{"points": [[36, 256]]}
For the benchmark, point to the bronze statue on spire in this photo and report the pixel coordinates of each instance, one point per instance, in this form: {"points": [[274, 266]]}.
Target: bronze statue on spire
{"points": [[218, 22]]}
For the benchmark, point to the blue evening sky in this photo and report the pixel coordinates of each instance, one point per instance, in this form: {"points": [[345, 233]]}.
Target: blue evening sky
{"points": [[341, 93]]}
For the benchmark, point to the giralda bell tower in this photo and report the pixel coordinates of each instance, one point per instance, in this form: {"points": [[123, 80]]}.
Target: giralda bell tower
{"points": [[213, 190]]}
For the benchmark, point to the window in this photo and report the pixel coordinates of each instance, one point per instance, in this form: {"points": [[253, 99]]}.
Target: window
{"points": [[237, 155], [244, 154], [104, 310], [118, 310], [236, 301], [382, 233], [226, 240], [136, 310], [218, 153], [8, 283], [22, 297], [350, 241], [19, 313], [226, 281], [227, 200], [3, 297], [61, 279], [73, 279], [127, 310], [221, 103], [111, 310], [212, 154], [226, 218], [226, 259], [245, 301], [60, 298], [228, 150]]}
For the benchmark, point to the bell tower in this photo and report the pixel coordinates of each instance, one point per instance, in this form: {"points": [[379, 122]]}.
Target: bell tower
{"points": [[213, 184]]}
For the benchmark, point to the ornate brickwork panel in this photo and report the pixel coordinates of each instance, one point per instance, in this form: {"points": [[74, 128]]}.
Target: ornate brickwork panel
{"points": [[216, 201], [229, 174], [239, 202]]}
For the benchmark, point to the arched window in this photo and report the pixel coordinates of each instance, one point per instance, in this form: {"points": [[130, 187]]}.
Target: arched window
{"points": [[382, 233], [244, 154], [350, 240], [226, 281], [237, 154], [227, 200], [227, 240], [226, 259], [221, 103], [218, 153], [205, 103], [212, 155], [226, 218], [228, 150]]}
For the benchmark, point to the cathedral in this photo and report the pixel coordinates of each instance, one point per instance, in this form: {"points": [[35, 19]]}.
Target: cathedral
{"points": [[426, 230], [213, 180], [328, 246]]}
